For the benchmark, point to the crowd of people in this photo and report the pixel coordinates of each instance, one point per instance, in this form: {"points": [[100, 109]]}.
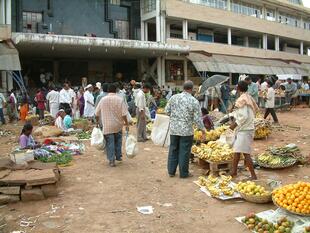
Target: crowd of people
{"points": [[112, 105]]}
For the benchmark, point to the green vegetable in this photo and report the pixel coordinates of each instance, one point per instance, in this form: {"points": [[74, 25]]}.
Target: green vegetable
{"points": [[60, 159]]}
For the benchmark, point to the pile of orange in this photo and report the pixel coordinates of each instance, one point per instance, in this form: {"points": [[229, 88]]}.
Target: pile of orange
{"points": [[294, 197]]}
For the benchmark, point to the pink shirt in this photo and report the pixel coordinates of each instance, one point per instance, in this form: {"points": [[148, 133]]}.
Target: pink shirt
{"points": [[112, 109]]}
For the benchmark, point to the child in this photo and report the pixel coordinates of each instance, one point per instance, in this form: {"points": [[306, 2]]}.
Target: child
{"points": [[68, 120], [26, 141], [206, 119], [24, 108]]}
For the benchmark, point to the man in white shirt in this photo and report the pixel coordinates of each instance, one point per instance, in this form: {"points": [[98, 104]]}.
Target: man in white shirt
{"points": [[89, 107], [270, 98], [53, 101], [305, 85], [65, 98], [140, 102], [264, 86]]}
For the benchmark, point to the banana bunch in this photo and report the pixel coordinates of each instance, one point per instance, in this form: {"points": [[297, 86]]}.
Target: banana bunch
{"points": [[211, 135], [213, 151], [228, 191], [266, 158], [262, 128], [213, 179], [217, 185]]}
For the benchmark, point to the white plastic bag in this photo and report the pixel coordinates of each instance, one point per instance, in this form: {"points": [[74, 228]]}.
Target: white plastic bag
{"points": [[228, 137], [97, 138], [160, 133], [131, 146]]}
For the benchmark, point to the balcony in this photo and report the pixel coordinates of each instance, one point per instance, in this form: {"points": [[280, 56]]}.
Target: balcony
{"points": [[5, 31], [176, 9], [225, 49]]}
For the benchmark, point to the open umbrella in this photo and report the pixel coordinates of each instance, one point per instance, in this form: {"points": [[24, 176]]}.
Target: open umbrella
{"points": [[213, 81]]}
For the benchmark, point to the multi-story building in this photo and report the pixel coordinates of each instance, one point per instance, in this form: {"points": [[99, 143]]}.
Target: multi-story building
{"points": [[97, 39], [261, 37]]}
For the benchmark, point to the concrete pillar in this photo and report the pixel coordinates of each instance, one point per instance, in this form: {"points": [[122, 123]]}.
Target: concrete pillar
{"points": [[229, 36], [158, 31], [8, 12], [168, 30], [259, 43], [265, 41], [3, 75], [163, 28], [158, 71], [301, 48], [185, 29], [9, 82], [229, 5], [277, 43], [277, 14], [264, 12], [301, 22], [146, 31], [2, 12], [185, 70], [246, 41], [142, 33]]}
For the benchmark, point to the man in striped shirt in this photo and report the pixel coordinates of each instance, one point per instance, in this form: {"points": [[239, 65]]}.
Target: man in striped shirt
{"points": [[113, 113]]}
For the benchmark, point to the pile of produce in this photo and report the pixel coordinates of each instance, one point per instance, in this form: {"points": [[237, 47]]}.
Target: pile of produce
{"points": [[33, 119], [5, 133], [279, 92], [279, 157], [294, 198], [262, 128], [48, 120], [63, 158], [307, 229], [217, 185], [213, 151], [257, 224], [81, 123], [162, 103], [211, 135], [84, 135], [251, 188]]}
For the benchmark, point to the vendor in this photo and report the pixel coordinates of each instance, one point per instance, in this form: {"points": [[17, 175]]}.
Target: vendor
{"points": [[59, 123], [206, 119], [244, 116], [67, 121], [26, 140]]}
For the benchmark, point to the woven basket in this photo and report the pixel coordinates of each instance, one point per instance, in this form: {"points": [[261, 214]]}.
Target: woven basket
{"points": [[300, 214], [258, 199], [279, 166]]}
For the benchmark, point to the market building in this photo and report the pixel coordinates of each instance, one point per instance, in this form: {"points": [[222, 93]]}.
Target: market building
{"points": [[233, 36], [69, 40]]}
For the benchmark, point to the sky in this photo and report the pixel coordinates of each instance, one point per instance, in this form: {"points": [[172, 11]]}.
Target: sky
{"points": [[306, 3]]}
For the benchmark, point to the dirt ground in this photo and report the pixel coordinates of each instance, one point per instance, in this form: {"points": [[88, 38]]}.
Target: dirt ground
{"points": [[96, 198]]}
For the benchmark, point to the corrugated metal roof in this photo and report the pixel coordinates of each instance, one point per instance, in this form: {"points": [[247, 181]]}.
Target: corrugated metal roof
{"points": [[236, 64], [9, 59]]}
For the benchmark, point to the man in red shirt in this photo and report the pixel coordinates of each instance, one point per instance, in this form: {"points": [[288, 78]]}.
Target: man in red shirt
{"points": [[40, 99]]}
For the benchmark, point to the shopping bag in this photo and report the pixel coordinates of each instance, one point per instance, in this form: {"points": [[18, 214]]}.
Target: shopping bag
{"points": [[97, 139], [131, 146], [228, 137]]}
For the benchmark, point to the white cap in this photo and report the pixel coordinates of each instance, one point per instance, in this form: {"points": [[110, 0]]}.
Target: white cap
{"points": [[88, 86]]}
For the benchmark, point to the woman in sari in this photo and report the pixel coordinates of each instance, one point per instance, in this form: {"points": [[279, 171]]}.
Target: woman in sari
{"points": [[12, 107], [24, 109], [81, 101]]}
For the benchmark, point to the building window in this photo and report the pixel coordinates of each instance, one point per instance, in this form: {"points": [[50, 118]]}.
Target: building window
{"points": [[115, 2], [307, 25], [295, 1], [31, 21], [148, 6], [221, 4], [270, 15], [122, 28], [247, 9], [289, 20]]}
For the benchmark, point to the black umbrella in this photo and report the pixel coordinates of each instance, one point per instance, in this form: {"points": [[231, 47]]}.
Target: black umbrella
{"points": [[213, 81]]}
